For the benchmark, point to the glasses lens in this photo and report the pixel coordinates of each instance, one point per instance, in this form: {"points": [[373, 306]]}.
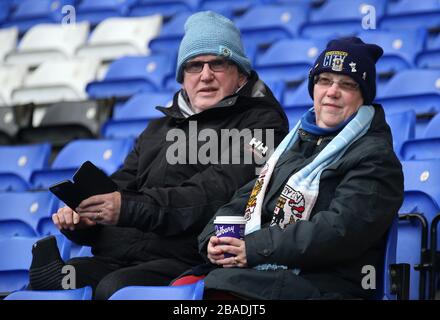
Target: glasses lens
{"points": [[218, 65], [194, 66]]}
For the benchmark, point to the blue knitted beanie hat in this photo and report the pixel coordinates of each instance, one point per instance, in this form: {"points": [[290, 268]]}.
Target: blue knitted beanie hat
{"points": [[210, 33]]}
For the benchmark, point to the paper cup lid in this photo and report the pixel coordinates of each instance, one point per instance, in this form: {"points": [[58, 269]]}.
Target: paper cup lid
{"points": [[229, 220]]}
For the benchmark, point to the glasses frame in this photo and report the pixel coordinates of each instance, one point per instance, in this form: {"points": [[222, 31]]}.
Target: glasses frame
{"points": [[211, 64], [342, 84]]}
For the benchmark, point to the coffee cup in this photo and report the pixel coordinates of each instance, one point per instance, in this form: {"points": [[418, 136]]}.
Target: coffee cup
{"points": [[229, 226]]}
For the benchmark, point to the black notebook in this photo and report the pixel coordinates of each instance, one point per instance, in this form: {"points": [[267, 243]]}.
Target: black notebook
{"points": [[88, 181]]}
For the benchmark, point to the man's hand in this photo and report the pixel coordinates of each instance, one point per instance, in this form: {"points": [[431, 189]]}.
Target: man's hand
{"points": [[103, 208], [67, 219]]}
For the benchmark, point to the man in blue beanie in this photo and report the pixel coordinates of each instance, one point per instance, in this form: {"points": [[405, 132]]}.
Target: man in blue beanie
{"points": [[318, 214], [146, 232]]}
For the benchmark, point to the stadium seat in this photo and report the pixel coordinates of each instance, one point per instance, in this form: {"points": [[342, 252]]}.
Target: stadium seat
{"points": [[430, 57], [170, 35], [117, 37], [400, 49], [8, 39], [95, 11], [11, 119], [296, 102], [11, 78], [21, 213], [229, 8], [278, 62], [16, 258], [55, 81], [422, 199], [166, 8], [129, 75], [343, 18], [49, 42], [18, 162], [433, 128], [421, 149], [265, 24], [30, 12], [60, 123], [402, 125], [108, 155], [130, 119], [413, 89], [410, 14], [74, 294], [5, 8], [185, 292]]}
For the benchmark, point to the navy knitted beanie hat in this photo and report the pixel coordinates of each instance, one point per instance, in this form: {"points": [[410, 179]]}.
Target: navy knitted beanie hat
{"points": [[210, 33], [352, 57]]}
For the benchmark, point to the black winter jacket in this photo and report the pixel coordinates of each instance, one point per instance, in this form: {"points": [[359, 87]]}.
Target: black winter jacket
{"points": [[359, 195], [165, 206]]}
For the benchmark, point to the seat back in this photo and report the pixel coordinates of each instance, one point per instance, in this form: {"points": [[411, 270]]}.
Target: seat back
{"points": [[185, 292], [338, 18], [55, 81], [74, 294], [45, 42], [402, 125], [22, 160], [117, 37], [129, 75], [21, 213]]}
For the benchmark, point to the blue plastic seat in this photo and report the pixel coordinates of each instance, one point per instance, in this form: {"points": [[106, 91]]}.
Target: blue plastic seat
{"points": [[18, 162], [413, 89], [229, 8], [430, 57], [170, 35], [130, 119], [95, 11], [342, 18], [16, 258], [263, 25], [410, 14], [21, 213], [74, 294], [402, 125], [185, 292], [106, 154], [30, 12], [400, 49], [296, 102], [166, 8], [132, 74], [278, 62], [422, 197], [433, 128]]}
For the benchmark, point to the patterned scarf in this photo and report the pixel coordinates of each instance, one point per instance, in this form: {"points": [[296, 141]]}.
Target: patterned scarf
{"points": [[301, 190]]}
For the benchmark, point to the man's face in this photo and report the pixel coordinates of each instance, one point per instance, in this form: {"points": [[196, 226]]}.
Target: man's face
{"points": [[336, 97], [207, 87]]}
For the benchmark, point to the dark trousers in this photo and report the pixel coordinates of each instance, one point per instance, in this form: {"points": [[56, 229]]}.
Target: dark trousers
{"points": [[107, 275]]}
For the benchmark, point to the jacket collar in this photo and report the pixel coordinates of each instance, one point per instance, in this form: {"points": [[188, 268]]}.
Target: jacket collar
{"points": [[253, 88]]}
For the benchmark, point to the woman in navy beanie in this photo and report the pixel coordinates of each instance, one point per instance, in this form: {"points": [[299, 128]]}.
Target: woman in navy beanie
{"points": [[318, 215]]}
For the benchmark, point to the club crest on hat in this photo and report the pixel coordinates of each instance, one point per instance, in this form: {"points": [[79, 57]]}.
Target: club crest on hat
{"points": [[335, 60]]}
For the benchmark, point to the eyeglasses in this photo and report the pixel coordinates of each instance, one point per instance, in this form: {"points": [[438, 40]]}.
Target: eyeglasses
{"points": [[343, 84], [217, 65]]}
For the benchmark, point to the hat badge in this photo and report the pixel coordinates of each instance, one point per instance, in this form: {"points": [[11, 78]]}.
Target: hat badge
{"points": [[337, 63], [224, 51]]}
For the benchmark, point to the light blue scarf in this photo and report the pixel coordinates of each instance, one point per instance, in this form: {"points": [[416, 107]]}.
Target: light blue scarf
{"points": [[301, 190]]}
